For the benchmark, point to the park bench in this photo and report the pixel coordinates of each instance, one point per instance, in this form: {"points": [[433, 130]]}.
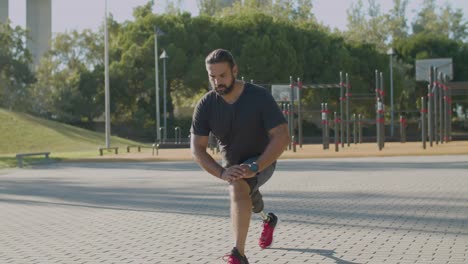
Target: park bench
{"points": [[116, 150], [154, 147], [172, 145], [20, 156], [133, 146], [168, 145], [157, 146]]}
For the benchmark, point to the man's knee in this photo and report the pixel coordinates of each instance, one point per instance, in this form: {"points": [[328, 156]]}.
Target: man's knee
{"points": [[239, 190]]}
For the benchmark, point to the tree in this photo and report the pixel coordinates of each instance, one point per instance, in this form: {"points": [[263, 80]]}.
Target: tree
{"points": [[427, 19], [209, 7], [173, 6], [291, 10], [15, 74], [457, 24], [304, 10], [396, 20], [268, 50], [447, 21], [69, 78], [367, 27], [425, 46]]}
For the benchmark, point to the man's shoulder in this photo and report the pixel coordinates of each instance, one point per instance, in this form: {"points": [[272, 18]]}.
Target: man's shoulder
{"points": [[207, 97], [256, 89]]}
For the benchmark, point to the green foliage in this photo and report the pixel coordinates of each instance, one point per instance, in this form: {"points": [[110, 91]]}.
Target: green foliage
{"points": [[69, 83], [396, 20], [288, 10], [209, 7], [268, 50], [367, 26], [437, 32], [271, 40], [15, 75], [447, 22]]}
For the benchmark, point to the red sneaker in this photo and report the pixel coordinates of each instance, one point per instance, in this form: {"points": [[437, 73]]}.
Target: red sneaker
{"points": [[235, 257], [266, 239]]}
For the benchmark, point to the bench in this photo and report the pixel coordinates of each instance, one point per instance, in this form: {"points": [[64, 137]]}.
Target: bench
{"points": [[116, 150], [172, 145], [155, 147], [20, 156], [133, 146]]}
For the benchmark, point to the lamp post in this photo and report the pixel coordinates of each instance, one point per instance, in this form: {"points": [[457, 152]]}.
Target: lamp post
{"points": [[106, 78], [390, 53], [158, 133], [164, 57]]}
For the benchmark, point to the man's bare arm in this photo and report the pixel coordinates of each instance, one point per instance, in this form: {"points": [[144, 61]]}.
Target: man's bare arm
{"points": [[198, 146]]}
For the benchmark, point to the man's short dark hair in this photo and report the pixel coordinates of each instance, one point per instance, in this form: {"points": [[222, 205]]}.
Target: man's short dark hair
{"points": [[220, 56]]}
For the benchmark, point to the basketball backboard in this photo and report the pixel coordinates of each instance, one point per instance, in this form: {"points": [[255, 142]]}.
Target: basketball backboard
{"points": [[282, 92], [423, 68]]}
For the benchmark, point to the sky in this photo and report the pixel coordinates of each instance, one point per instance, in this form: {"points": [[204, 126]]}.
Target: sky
{"points": [[81, 14]]}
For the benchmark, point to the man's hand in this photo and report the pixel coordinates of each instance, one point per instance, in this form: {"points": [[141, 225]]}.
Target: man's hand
{"points": [[237, 172], [248, 172], [234, 173]]}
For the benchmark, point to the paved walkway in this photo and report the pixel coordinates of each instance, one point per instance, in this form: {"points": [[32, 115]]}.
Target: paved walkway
{"points": [[362, 210]]}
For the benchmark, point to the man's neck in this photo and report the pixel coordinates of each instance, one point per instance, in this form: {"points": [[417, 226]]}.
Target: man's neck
{"points": [[235, 93]]}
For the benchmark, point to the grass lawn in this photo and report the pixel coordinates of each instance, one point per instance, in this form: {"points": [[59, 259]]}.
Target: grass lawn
{"points": [[22, 133], [25, 133]]}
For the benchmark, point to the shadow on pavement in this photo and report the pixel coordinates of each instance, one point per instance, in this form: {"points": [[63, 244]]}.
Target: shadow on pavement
{"points": [[185, 193], [356, 164], [322, 252], [212, 199]]}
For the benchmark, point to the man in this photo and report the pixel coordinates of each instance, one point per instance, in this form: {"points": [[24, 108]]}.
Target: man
{"points": [[252, 133]]}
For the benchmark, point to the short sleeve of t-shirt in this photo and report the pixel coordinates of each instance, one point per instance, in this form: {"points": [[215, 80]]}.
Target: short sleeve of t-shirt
{"points": [[272, 115], [200, 125]]}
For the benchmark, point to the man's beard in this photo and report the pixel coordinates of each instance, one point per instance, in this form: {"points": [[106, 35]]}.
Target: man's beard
{"points": [[227, 89]]}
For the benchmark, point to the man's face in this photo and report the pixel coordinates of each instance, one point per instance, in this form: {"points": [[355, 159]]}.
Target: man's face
{"points": [[221, 77]]}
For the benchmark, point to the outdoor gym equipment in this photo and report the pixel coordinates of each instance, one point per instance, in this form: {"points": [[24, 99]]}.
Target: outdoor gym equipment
{"points": [[325, 126], [380, 111], [294, 95], [423, 122], [438, 108], [403, 126]]}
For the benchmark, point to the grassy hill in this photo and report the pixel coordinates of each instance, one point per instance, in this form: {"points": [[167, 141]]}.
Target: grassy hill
{"points": [[25, 133]]}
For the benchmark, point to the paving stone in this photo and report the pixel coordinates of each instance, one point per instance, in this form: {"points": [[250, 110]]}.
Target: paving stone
{"points": [[361, 210]]}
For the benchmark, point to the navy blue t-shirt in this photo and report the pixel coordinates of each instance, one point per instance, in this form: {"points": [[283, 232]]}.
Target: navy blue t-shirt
{"points": [[241, 128]]}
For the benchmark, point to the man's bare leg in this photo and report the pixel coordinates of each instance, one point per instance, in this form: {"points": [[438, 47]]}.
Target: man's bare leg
{"points": [[241, 210]]}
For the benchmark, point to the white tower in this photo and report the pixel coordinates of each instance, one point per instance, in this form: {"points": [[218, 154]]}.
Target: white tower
{"points": [[3, 11], [39, 24]]}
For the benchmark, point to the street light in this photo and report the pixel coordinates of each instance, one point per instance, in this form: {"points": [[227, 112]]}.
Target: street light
{"points": [[158, 133], [106, 78], [164, 57], [157, 32], [390, 53]]}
